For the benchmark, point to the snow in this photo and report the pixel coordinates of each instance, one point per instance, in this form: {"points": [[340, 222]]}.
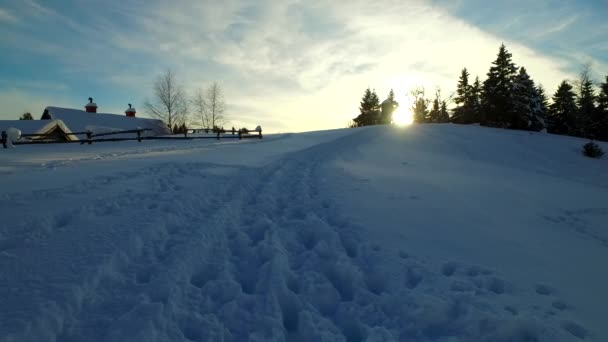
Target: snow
{"points": [[427, 233], [34, 126], [81, 121]]}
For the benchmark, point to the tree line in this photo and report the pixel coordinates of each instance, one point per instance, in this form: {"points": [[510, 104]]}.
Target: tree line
{"points": [[507, 98]]}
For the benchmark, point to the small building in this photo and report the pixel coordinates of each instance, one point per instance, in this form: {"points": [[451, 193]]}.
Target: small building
{"points": [[47, 130], [90, 120]]}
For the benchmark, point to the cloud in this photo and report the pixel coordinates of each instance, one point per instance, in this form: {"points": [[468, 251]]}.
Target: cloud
{"points": [[295, 65], [6, 16]]}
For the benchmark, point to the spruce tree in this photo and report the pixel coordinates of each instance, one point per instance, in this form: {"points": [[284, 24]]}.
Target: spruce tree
{"points": [[420, 107], [369, 109], [527, 113], [496, 101], [585, 99], [463, 90], [600, 120], [26, 116], [544, 101], [435, 111], [421, 110], [476, 100], [563, 111], [444, 116]]}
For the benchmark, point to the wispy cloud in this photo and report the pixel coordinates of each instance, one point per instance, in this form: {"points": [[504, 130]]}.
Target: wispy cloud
{"points": [[557, 27], [6, 16], [296, 65]]}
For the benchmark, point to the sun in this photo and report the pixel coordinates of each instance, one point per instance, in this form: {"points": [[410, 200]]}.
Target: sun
{"points": [[402, 116]]}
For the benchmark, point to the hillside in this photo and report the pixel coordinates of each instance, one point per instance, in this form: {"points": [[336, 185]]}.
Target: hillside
{"points": [[423, 233]]}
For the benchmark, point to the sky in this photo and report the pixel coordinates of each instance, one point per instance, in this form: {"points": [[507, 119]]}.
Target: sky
{"points": [[288, 65]]}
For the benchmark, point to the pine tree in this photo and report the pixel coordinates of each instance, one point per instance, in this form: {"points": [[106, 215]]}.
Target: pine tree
{"points": [[476, 101], [420, 108], [463, 90], [527, 113], [585, 99], [600, 120], [544, 101], [444, 116], [369, 109], [26, 116], [563, 110], [496, 101], [435, 111]]}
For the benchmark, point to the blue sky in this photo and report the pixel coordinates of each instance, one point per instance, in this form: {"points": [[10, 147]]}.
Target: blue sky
{"points": [[286, 65]]}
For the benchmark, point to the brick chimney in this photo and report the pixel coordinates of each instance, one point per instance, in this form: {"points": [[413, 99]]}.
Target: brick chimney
{"points": [[91, 107], [130, 111]]}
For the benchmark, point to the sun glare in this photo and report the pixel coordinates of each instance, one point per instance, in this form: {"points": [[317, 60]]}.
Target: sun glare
{"points": [[402, 116]]}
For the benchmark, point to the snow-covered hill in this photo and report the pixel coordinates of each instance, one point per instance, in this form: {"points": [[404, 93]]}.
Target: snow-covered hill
{"points": [[424, 233]]}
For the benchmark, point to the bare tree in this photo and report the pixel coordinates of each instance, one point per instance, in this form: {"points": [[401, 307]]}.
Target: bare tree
{"points": [[215, 104], [201, 108], [169, 103]]}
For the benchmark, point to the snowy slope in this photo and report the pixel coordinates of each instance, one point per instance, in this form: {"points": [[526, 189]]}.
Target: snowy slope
{"points": [[428, 233]]}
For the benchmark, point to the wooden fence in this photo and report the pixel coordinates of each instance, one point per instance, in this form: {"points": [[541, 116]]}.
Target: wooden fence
{"points": [[190, 134]]}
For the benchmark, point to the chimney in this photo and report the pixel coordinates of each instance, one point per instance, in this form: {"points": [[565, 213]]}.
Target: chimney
{"points": [[130, 111], [91, 107]]}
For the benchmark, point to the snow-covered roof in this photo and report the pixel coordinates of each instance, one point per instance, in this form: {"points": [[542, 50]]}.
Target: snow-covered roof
{"points": [[91, 104], [36, 126], [81, 121]]}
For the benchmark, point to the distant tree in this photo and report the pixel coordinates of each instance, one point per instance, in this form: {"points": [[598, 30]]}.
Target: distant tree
{"points": [[216, 105], [601, 117], [435, 111], [388, 107], [201, 108], [585, 99], [26, 116], [497, 88], [462, 99], [527, 113], [444, 115], [563, 111], [169, 103], [420, 107], [439, 110], [475, 101], [369, 109]]}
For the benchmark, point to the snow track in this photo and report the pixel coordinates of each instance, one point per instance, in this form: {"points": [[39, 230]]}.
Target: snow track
{"points": [[191, 251]]}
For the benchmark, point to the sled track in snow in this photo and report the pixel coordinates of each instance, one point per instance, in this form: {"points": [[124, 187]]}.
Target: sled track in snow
{"points": [[219, 253]]}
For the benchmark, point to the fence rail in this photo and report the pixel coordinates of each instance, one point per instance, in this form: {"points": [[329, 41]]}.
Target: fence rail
{"points": [[90, 136]]}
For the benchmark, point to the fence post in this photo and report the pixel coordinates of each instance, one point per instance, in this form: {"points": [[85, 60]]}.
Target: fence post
{"points": [[4, 138], [240, 134], [89, 135], [185, 133], [139, 135], [218, 135]]}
